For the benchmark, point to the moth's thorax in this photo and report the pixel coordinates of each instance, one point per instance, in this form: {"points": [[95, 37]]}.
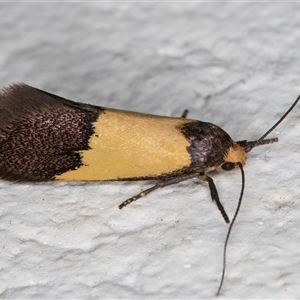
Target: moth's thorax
{"points": [[209, 144]]}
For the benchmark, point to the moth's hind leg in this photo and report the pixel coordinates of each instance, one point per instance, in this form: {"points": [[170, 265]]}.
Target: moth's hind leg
{"points": [[159, 184], [138, 196], [176, 179], [185, 114]]}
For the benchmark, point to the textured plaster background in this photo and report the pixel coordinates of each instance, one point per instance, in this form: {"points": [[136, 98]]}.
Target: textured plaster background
{"points": [[234, 64]]}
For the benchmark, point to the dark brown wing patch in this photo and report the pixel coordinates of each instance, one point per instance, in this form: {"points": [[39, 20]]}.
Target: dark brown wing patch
{"points": [[41, 133], [209, 144]]}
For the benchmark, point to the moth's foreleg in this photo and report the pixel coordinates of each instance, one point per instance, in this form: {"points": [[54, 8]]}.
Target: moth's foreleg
{"points": [[214, 195]]}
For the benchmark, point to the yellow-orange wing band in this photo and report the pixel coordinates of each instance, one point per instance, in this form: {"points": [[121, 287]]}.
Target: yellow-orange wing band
{"points": [[132, 145]]}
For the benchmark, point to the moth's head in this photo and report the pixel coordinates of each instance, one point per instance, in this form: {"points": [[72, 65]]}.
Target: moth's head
{"points": [[234, 157]]}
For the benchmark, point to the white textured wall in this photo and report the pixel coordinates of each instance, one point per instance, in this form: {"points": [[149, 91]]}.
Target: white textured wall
{"points": [[234, 64]]}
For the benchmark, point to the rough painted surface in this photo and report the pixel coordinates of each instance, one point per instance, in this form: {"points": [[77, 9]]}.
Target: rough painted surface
{"points": [[233, 64]]}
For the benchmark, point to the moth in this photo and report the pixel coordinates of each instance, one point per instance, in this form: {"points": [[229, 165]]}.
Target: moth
{"points": [[44, 137]]}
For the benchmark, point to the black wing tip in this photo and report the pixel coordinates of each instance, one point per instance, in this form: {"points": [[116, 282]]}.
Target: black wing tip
{"points": [[41, 134], [17, 91], [15, 85]]}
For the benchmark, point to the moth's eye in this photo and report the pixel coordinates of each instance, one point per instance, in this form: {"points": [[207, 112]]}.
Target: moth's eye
{"points": [[228, 166]]}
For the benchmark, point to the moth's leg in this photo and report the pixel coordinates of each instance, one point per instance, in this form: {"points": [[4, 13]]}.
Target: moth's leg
{"points": [[138, 196], [159, 184], [214, 195], [184, 114]]}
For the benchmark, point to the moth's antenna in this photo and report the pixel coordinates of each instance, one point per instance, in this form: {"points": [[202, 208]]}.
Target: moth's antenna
{"points": [[248, 146], [230, 227]]}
